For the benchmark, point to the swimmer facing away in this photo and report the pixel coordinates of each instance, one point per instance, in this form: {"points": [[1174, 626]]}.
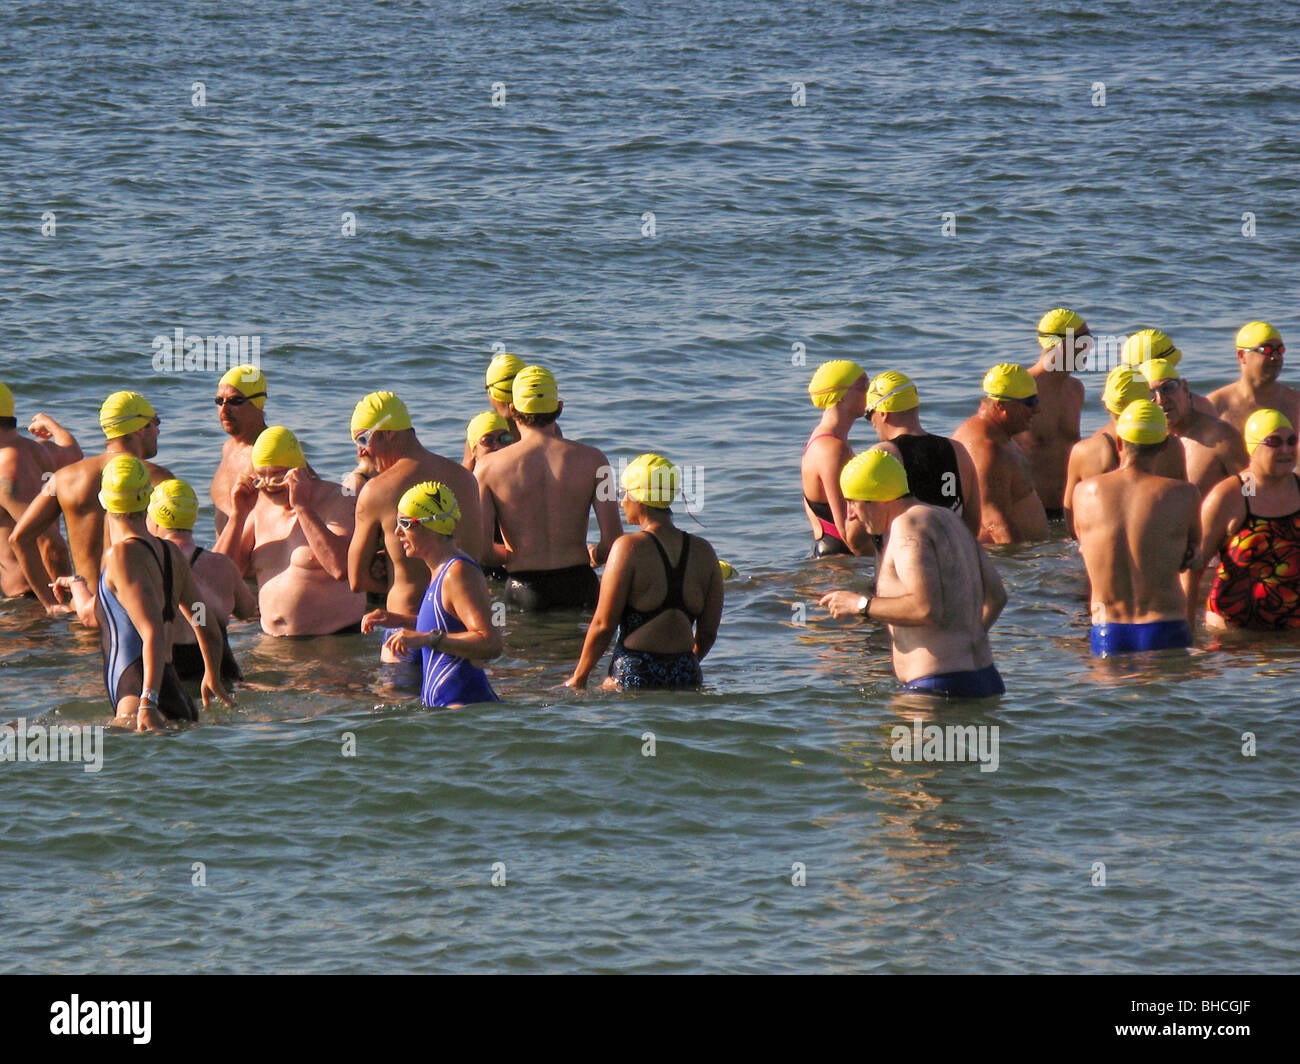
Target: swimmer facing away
{"points": [[662, 590], [453, 630]]}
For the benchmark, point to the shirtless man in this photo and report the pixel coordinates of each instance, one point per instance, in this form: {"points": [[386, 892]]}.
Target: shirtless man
{"points": [[130, 427], [487, 432], [1010, 509], [1213, 449], [542, 490], [381, 430], [1138, 532], [1063, 337], [499, 380], [838, 389], [1100, 452], [936, 590], [241, 396], [25, 465], [293, 531], [1259, 353], [939, 471], [1147, 345]]}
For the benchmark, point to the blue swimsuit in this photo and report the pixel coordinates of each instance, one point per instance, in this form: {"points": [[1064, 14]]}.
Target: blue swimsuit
{"points": [[448, 680]]}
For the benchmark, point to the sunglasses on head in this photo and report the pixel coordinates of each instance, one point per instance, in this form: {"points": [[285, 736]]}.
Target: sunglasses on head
{"points": [[1278, 348], [1280, 441], [236, 400]]}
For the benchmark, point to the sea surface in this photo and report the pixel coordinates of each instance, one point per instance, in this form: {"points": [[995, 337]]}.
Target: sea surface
{"points": [[348, 194]]}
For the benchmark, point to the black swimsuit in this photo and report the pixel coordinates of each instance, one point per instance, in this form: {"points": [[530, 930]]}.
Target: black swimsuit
{"points": [[644, 668], [188, 657]]}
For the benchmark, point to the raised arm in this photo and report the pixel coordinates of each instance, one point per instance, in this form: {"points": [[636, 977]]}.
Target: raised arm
{"points": [[61, 444]]}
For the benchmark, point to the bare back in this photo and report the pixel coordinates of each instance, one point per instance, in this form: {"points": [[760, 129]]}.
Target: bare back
{"points": [[24, 468], [1052, 432], [1010, 509]]}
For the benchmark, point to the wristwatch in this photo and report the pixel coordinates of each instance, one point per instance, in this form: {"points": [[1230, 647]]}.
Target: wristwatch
{"points": [[864, 606]]}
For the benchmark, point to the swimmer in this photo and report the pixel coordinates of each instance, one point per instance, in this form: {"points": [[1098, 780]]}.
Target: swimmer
{"points": [[487, 432], [1252, 522], [1010, 509], [1259, 354], [662, 590], [1148, 345], [453, 630], [939, 471], [130, 427], [1064, 341], [1213, 449], [241, 399], [542, 490], [937, 591], [839, 390], [381, 431], [292, 531], [1100, 452], [144, 584], [25, 465], [1138, 531]]}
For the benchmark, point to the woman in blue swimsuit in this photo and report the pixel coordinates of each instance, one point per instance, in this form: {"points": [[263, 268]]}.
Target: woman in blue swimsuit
{"points": [[453, 630], [662, 590]]}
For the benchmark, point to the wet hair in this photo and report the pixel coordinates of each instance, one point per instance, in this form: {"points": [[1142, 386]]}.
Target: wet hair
{"points": [[535, 421], [8, 422]]}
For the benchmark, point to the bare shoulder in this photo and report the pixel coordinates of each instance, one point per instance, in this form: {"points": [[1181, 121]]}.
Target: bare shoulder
{"points": [[157, 473], [1224, 493], [1220, 398]]}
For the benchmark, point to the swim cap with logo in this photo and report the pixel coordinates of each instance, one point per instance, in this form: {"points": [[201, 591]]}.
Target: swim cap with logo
{"points": [[6, 401], [652, 480], [1146, 345], [500, 375], [534, 391], [1254, 333], [482, 424], [432, 504], [1052, 326], [832, 380], [1006, 380], [124, 486], [174, 505], [249, 382], [1159, 369], [892, 392], [382, 411], [1123, 386], [1143, 422], [124, 413], [278, 447], [874, 476], [1262, 424]]}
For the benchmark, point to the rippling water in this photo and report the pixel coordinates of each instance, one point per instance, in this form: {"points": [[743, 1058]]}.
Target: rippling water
{"points": [[775, 225]]}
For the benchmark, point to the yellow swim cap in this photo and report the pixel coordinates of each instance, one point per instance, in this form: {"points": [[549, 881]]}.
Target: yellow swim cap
{"points": [[249, 382], [534, 391], [874, 476], [1254, 333], [173, 504], [1123, 386], [1262, 424], [124, 413], [6, 401], [432, 504], [124, 486], [1006, 380], [1053, 325], [482, 424], [892, 392], [382, 411], [1145, 345], [500, 375], [652, 480], [277, 447], [832, 380], [727, 570], [1159, 369], [1143, 422]]}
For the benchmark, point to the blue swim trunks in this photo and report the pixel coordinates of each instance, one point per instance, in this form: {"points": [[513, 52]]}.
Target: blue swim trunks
{"points": [[1107, 640], [969, 683]]}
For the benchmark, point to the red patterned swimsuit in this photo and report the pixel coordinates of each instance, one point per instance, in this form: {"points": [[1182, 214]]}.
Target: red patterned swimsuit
{"points": [[1258, 581]]}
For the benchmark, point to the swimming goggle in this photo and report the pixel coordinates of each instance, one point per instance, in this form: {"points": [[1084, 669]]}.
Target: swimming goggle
{"points": [[1278, 348], [499, 438], [1030, 401], [237, 400], [270, 483], [1167, 388], [1279, 441], [362, 438], [405, 523]]}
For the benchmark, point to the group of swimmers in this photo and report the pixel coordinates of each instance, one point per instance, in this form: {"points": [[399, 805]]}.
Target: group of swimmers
{"points": [[404, 544], [1175, 484]]}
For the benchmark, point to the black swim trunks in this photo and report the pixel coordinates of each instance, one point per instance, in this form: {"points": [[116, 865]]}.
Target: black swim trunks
{"points": [[188, 659], [574, 588], [1056, 513]]}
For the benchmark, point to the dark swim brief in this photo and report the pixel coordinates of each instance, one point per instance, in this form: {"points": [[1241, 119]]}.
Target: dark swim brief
{"points": [[1109, 639], [829, 546], [1056, 513], [188, 659], [969, 683], [643, 668], [574, 588]]}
